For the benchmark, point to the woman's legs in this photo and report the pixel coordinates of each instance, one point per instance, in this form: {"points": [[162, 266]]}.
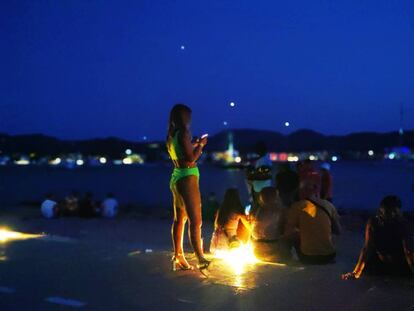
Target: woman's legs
{"points": [[177, 230], [188, 189]]}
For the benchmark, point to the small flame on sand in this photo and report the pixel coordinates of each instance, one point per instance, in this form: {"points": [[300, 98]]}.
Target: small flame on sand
{"points": [[238, 258]]}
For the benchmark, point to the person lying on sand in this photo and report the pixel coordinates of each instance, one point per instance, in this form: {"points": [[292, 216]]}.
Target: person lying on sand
{"points": [[388, 244]]}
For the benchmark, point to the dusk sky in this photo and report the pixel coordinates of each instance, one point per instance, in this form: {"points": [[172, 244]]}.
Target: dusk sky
{"points": [[82, 69]]}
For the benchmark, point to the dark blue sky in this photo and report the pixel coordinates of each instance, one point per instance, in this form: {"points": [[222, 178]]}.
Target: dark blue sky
{"points": [[79, 69]]}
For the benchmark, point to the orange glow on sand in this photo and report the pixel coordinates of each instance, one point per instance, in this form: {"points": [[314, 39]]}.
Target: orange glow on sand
{"points": [[8, 235]]}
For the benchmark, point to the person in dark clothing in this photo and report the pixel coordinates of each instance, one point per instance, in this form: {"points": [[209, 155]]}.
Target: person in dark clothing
{"points": [[87, 207], [388, 243], [326, 182], [287, 184]]}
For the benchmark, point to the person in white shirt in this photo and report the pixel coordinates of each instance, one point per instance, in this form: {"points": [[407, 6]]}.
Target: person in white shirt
{"points": [[110, 206], [49, 207]]}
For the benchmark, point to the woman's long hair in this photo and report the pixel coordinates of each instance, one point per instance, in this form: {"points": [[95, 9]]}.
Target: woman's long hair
{"points": [[231, 205], [390, 209], [179, 116]]}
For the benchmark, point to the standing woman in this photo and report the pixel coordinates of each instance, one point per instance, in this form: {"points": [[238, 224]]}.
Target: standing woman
{"points": [[184, 186]]}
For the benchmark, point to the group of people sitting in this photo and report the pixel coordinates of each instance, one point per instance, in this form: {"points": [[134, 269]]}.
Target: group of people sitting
{"points": [[298, 216], [81, 206]]}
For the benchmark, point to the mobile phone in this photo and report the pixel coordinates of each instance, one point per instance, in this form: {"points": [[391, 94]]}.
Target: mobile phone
{"points": [[204, 136]]}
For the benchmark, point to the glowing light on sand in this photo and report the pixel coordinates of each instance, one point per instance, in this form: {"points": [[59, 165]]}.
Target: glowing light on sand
{"points": [[7, 235], [238, 258]]}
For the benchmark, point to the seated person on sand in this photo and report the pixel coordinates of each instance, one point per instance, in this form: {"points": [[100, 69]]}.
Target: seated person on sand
{"points": [[109, 206], [71, 204], [49, 207], [388, 244], [228, 217], [267, 227], [310, 225], [87, 206]]}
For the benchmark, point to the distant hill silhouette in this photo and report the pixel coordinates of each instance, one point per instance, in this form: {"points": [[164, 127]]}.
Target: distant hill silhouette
{"points": [[307, 140], [245, 140]]}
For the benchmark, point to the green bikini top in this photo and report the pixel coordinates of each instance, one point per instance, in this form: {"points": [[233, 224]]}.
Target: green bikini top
{"points": [[174, 149]]}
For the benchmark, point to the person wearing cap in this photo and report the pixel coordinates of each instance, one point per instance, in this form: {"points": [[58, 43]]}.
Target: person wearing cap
{"points": [[326, 182]]}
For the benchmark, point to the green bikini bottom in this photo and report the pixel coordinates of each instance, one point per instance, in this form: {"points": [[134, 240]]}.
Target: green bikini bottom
{"points": [[179, 173]]}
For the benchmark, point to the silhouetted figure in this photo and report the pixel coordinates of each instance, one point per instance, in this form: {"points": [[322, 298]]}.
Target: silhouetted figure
{"points": [[308, 175], [87, 206], [287, 184], [260, 175], [49, 207], [388, 247], [326, 182], [71, 204], [109, 206]]}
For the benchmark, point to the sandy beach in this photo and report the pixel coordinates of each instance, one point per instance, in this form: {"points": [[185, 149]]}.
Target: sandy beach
{"points": [[123, 264]]}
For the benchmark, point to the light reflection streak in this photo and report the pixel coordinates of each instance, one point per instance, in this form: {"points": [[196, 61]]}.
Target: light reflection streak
{"points": [[8, 235]]}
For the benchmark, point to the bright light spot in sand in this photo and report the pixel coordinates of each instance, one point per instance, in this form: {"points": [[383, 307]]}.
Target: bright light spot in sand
{"points": [[232, 104], [102, 160], [79, 162], [334, 158], [237, 159], [127, 161], [287, 124], [238, 258], [7, 235], [371, 153], [128, 151]]}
